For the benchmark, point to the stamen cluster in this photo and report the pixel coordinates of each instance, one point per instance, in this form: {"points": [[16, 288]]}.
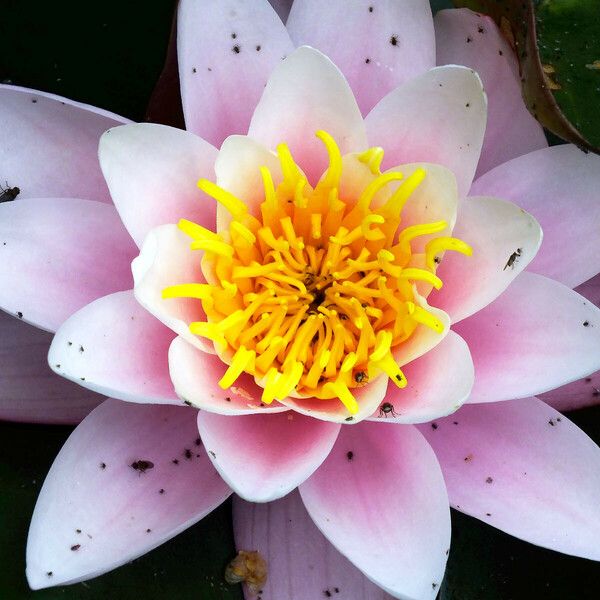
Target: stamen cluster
{"points": [[313, 295]]}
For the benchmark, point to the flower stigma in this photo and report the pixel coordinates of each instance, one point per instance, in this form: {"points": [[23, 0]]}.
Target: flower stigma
{"points": [[312, 295]]}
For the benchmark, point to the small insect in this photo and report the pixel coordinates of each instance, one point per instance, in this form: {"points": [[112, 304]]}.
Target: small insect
{"points": [[142, 465], [387, 409], [360, 377], [8, 193], [247, 567], [512, 259]]}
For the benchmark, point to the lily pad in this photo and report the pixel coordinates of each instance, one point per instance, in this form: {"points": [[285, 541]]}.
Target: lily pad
{"points": [[557, 43]]}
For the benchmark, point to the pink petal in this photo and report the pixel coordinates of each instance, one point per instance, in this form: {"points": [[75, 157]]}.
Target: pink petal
{"points": [[96, 512], [264, 457], [29, 391], [496, 230], [116, 348], [305, 93], [166, 259], [559, 187], [59, 254], [227, 50], [312, 567], [383, 45], [438, 384], [368, 397], [584, 392], [467, 38], [525, 469], [238, 171], [438, 117], [49, 145], [152, 172], [536, 336], [380, 499], [195, 375]]}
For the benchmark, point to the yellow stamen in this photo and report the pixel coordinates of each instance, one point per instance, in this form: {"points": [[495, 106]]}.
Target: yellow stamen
{"points": [[312, 297]]}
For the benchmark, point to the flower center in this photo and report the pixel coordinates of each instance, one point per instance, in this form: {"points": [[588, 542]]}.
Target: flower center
{"points": [[313, 296]]}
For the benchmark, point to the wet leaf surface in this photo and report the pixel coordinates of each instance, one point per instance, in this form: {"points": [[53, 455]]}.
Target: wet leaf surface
{"points": [[557, 43]]}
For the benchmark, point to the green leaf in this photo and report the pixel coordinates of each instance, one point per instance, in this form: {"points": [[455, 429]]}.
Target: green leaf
{"points": [[557, 43], [189, 566]]}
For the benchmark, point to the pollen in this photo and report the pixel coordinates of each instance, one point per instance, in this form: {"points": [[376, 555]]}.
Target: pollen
{"points": [[313, 294]]}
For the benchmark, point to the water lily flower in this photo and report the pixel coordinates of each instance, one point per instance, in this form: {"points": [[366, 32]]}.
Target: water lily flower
{"points": [[340, 267]]}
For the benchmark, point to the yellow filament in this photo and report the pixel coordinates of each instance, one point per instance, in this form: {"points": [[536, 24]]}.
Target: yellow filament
{"points": [[234, 205], [437, 245]]}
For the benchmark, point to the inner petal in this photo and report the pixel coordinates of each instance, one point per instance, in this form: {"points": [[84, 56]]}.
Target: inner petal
{"points": [[313, 295]]}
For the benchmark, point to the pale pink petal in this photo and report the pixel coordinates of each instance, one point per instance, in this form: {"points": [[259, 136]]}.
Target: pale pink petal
{"points": [[302, 563], [383, 44], [586, 391], [164, 260], [306, 93], [59, 254], [227, 50], [559, 187], [504, 239], [152, 172], [368, 397], [380, 499], [524, 468], [438, 117], [438, 384], [49, 145], [467, 38], [115, 347], [578, 394], [536, 336], [29, 391], [238, 171], [195, 375], [264, 457], [96, 512]]}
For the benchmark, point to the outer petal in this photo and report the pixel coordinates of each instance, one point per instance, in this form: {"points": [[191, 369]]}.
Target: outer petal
{"points": [[264, 457], [467, 38], [49, 145], [525, 469], [438, 384], [584, 392], [152, 172], [58, 254], [195, 375], [536, 336], [384, 44], [166, 259], [504, 239], [96, 512], [438, 117], [559, 187], [29, 391], [305, 93], [302, 563], [384, 507], [227, 50], [115, 347]]}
